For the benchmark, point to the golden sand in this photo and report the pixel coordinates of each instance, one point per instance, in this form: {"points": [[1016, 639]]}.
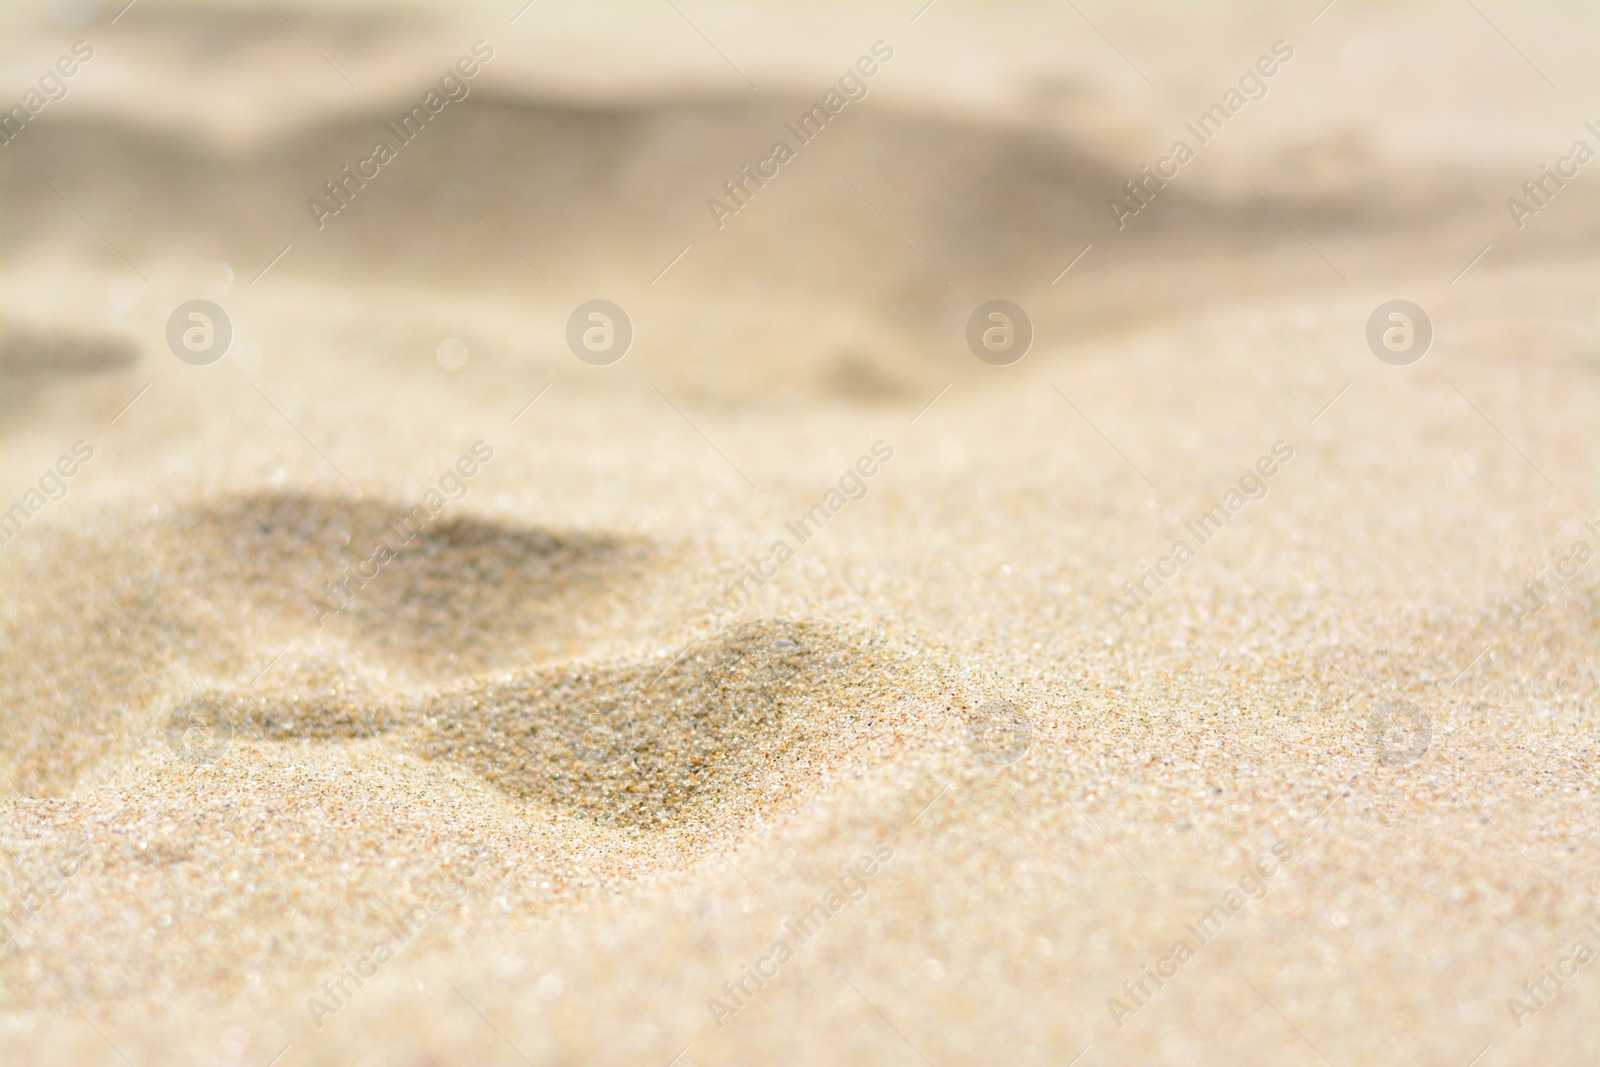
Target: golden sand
{"points": [[985, 769]]}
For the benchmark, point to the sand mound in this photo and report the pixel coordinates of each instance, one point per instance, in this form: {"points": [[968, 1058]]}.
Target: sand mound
{"points": [[29, 354], [652, 742], [647, 743], [145, 610], [849, 274], [32, 360], [460, 594]]}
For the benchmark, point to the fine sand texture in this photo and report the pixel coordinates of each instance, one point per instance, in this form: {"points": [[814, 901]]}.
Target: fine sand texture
{"points": [[778, 674]]}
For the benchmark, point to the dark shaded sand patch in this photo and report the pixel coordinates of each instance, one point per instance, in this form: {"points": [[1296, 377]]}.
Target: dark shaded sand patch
{"points": [[145, 608], [648, 743]]}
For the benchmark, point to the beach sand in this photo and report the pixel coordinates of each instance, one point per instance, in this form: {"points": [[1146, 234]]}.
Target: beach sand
{"points": [[980, 766]]}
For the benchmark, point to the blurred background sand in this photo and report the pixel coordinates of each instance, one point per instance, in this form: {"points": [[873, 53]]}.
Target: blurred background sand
{"points": [[634, 795]]}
